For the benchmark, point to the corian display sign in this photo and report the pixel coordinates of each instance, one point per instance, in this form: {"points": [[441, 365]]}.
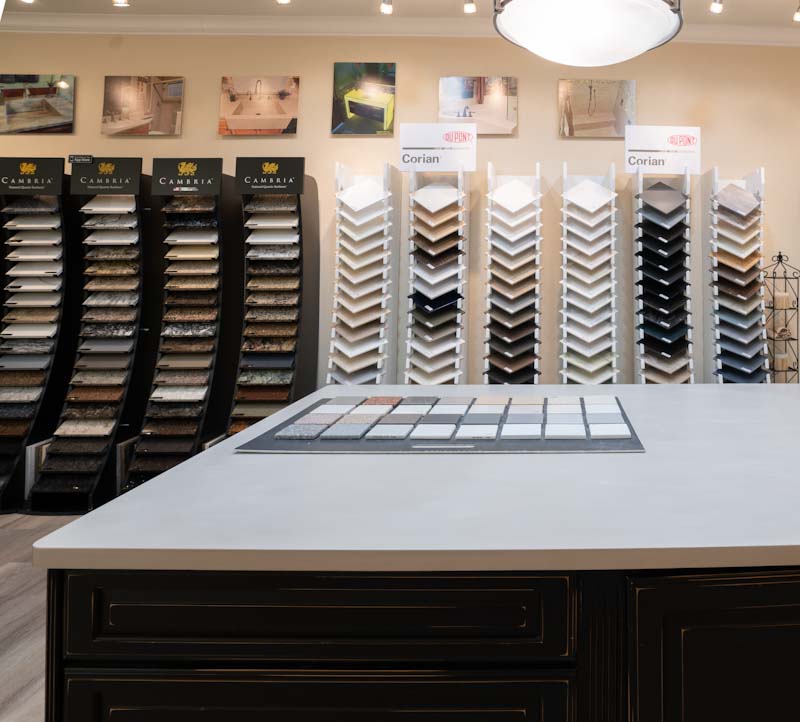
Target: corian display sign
{"points": [[31, 176], [173, 176], [438, 146], [671, 149]]}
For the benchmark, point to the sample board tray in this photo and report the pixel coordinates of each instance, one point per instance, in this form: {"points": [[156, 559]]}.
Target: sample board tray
{"points": [[460, 425]]}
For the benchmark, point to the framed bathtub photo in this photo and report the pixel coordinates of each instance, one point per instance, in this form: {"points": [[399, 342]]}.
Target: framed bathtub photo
{"points": [[259, 105], [363, 99], [596, 108], [37, 104], [142, 105], [489, 102]]}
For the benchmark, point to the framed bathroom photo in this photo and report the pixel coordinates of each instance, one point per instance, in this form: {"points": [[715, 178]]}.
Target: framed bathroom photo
{"points": [[596, 108], [259, 105], [489, 102], [37, 103], [363, 99], [142, 105]]}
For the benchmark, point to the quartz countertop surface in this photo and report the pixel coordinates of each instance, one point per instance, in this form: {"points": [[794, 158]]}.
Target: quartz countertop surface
{"points": [[718, 486]]}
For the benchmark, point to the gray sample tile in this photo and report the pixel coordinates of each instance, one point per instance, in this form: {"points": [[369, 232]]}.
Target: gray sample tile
{"points": [[604, 418], [473, 419], [526, 409], [301, 431], [457, 400], [354, 418], [346, 431], [390, 431], [419, 401], [564, 419], [400, 419], [319, 419], [346, 400], [515, 418], [371, 410], [447, 408], [413, 408], [434, 418], [334, 408], [521, 431], [478, 431], [487, 409], [438, 432], [610, 431]]}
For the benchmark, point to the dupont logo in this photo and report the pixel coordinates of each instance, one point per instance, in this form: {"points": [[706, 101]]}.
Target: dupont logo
{"points": [[682, 140], [458, 136]]}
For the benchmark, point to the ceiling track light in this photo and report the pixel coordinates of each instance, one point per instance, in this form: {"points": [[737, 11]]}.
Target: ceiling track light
{"points": [[717, 6], [470, 8], [588, 33], [386, 7]]}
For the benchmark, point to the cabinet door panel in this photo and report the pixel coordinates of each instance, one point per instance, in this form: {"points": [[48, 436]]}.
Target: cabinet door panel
{"points": [[716, 647]]}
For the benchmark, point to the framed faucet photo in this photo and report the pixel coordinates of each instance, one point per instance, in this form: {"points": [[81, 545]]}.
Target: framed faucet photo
{"points": [[259, 105], [596, 108], [489, 102], [37, 103], [142, 105], [363, 98]]}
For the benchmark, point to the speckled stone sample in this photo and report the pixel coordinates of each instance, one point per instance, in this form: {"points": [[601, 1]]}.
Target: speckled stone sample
{"points": [[190, 204], [22, 378], [95, 393], [65, 483], [192, 283], [273, 268], [170, 427], [195, 330], [112, 284], [100, 378], [266, 378], [301, 431], [111, 221], [20, 394], [154, 464], [112, 253], [265, 345], [85, 428], [17, 411], [280, 330], [190, 220], [110, 315], [31, 315], [266, 313], [187, 345], [27, 346], [273, 283], [175, 411], [108, 330], [77, 446], [91, 411], [112, 268], [192, 268], [55, 463], [273, 299], [165, 446], [263, 393], [321, 419], [112, 299], [191, 299], [182, 378], [14, 428], [260, 203], [274, 252], [24, 205], [191, 313], [183, 394]]}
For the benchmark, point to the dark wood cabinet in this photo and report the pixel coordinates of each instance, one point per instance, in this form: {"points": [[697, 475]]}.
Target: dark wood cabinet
{"points": [[715, 648]]}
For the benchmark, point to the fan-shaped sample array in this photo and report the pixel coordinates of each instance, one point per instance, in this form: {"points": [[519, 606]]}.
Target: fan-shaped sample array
{"points": [[737, 246], [273, 279], [362, 275], [664, 294], [589, 280], [189, 332], [82, 452], [33, 279], [437, 277], [514, 234]]}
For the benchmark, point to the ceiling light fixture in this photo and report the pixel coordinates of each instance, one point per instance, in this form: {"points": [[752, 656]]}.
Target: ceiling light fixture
{"points": [[386, 7], [283, 2], [2, 5], [717, 7], [588, 33], [121, 4], [796, 17], [28, 2], [470, 8]]}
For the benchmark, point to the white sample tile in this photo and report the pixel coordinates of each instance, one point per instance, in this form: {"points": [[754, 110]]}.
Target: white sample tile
{"points": [[110, 204], [563, 400], [521, 431], [590, 196], [413, 409], [610, 431], [375, 410], [336, 408], [565, 409], [565, 431], [487, 409], [444, 408], [390, 431], [526, 408], [603, 409], [477, 431], [438, 432], [600, 400], [514, 196]]}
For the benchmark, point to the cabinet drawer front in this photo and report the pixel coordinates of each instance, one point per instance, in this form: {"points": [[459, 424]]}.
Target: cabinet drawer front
{"points": [[331, 617], [224, 696]]}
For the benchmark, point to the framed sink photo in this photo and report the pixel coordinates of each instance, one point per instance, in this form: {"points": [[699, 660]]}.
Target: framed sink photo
{"points": [[259, 105], [363, 99], [37, 104], [489, 102], [596, 108], [143, 105]]}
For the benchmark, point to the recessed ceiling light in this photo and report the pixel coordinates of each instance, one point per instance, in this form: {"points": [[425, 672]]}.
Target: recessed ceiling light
{"points": [[386, 7], [470, 7], [121, 4], [717, 7], [588, 33], [796, 17], [283, 2]]}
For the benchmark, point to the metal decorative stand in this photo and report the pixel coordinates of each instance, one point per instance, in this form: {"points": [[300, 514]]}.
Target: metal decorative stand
{"points": [[782, 283]]}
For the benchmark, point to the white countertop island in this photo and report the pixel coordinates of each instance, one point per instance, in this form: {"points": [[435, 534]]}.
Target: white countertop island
{"points": [[718, 486]]}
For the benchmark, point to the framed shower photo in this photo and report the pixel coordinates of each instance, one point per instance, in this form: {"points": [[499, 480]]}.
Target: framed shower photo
{"points": [[596, 108]]}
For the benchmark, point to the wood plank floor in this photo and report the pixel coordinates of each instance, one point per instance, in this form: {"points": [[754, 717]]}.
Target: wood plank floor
{"points": [[23, 595]]}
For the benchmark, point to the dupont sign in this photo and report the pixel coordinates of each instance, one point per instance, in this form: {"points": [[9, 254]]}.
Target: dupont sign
{"points": [[663, 149], [447, 147]]}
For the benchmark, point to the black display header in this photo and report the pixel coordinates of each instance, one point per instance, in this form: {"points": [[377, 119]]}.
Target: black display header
{"points": [[31, 176], [270, 175], [107, 176], [179, 176]]}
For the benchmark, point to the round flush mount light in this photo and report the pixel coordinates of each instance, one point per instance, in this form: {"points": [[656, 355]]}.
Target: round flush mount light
{"points": [[121, 4], [588, 33], [386, 7]]}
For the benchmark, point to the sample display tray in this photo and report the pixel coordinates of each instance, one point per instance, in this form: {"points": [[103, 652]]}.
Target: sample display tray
{"points": [[491, 424]]}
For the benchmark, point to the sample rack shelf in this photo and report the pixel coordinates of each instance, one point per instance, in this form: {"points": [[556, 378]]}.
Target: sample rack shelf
{"points": [[664, 330], [512, 331], [589, 279], [437, 278], [782, 282], [80, 461], [359, 345], [736, 240], [191, 316]]}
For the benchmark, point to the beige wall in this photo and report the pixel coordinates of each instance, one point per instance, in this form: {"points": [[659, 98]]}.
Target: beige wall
{"points": [[747, 100]]}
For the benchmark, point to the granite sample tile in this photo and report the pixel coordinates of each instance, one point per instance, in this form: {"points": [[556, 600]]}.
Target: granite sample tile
{"points": [[344, 431], [113, 284], [110, 315], [26, 346], [185, 361], [66, 445], [190, 204], [191, 313], [444, 407], [22, 378], [272, 315], [191, 252], [304, 432], [400, 418], [175, 411], [191, 298], [273, 283], [16, 429], [182, 377], [154, 464], [389, 431], [187, 345], [434, 418], [346, 400], [106, 346], [266, 378], [192, 236], [25, 205], [110, 204], [183, 394], [610, 431], [438, 432], [521, 431], [273, 268], [319, 419], [58, 464], [255, 410], [274, 252], [263, 393], [565, 431], [190, 220], [192, 283], [103, 361], [343, 408], [482, 419], [99, 378], [273, 298], [375, 409], [594, 419], [96, 393], [239, 425], [29, 331], [279, 203], [20, 394], [91, 411], [354, 418], [112, 253], [419, 401], [383, 401], [150, 445], [17, 411], [112, 268], [30, 362], [170, 427], [112, 221], [192, 268], [262, 345], [405, 408], [194, 330], [65, 483], [112, 299], [31, 315], [85, 428], [478, 431], [515, 418], [267, 361], [108, 330]]}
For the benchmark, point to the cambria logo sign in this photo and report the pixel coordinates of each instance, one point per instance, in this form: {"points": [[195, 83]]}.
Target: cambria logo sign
{"points": [[270, 168], [270, 175], [186, 168], [27, 168], [31, 175], [106, 168], [179, 175], [107, 175]]}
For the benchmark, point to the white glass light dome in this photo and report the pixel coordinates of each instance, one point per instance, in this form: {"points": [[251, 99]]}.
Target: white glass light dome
{"points": [[588, 33]]}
